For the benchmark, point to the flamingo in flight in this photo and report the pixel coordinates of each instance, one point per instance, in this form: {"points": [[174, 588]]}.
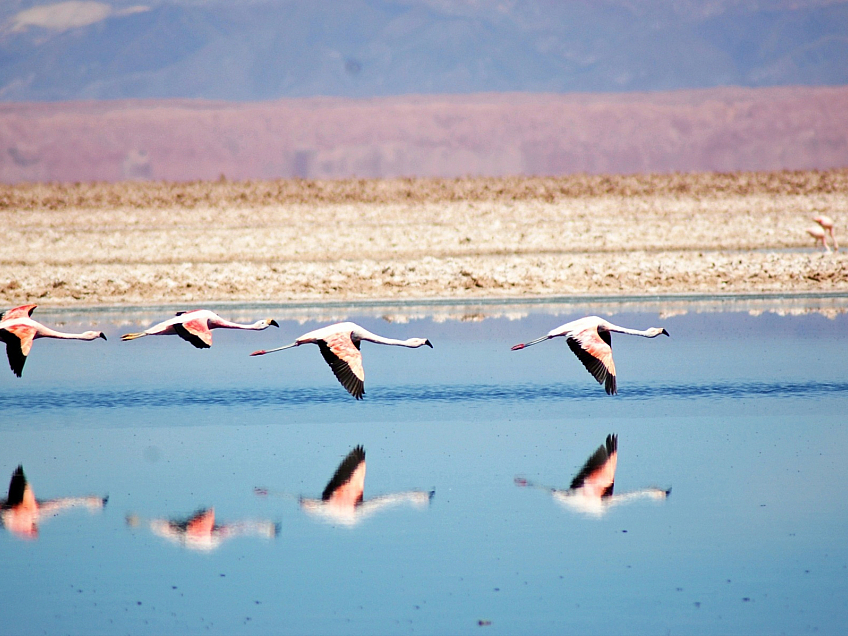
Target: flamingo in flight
{"points": [[339, 345], [826, 224], [343, 499], [20, 512], [196, 327], [200, 532], [591, 490], [18, 330], [591, 341]]}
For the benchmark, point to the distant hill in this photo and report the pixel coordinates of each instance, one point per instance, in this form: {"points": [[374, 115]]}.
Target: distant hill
{"points": [[723, 129], [270, 49]]}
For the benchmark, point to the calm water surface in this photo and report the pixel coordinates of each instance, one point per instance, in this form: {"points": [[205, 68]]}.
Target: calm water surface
{"points": [[742, 416]]}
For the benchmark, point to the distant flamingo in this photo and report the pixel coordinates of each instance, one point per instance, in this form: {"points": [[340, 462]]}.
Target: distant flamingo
{"points": [[591, 490], [343, 500], [20, 512], [590, 340], [339, 345], [827, 224], [195, 327], [200, 532], [819, 237], [18, 331]]}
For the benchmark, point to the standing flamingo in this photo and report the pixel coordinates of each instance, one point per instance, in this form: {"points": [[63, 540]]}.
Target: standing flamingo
{"points": [[20, 512], [339, 345], [195, 327], [590, 340], [819, 237], [827, 224], [591, 490], [18, 331]]}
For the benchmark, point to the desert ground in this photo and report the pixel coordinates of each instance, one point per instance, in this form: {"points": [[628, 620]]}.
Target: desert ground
{"points": [[304, 240]]}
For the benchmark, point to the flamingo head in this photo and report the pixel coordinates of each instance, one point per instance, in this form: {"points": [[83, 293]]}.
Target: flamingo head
{"points": [[653, 332], [419, 342], [93, 335], [270, 322]]}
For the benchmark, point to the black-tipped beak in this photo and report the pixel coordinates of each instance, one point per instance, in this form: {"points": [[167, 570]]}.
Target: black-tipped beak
{"points": [[428, 343], [103, 335], [665, 332], [273, 323]]}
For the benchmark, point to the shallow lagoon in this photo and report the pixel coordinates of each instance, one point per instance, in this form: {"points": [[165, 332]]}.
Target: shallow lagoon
{"points": [[741, 412]]}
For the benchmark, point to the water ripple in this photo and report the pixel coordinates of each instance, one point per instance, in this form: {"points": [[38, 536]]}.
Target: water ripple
{"points": [[453, 394]]}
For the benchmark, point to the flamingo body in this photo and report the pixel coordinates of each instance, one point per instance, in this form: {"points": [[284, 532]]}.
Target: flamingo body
{"points": [[590, 340], [827, 225], [592, 488], [343, 498], [196, 327], [18, 331], [339, 344]]}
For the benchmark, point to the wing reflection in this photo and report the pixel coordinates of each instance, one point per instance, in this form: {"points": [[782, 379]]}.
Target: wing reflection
{"points": [[591, 490], [343, 501], [200, 532], [21, 512]]}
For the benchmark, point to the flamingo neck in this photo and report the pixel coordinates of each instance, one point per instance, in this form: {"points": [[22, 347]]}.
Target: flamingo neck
{"points": [[47, 332], [363, 334], [632, 332]]}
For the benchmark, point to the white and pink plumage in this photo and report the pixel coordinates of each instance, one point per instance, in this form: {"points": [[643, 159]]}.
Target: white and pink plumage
{"points": [[589, 338], [18, 330], [339, 344], [826, 223], [196, 327], [592, 488]]}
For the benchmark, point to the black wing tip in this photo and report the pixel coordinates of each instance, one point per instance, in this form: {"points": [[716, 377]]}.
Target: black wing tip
{"points": [[610, 385], [612, 443]]}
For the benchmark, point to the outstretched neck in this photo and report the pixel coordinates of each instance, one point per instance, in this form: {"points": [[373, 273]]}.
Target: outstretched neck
{"points": [[364, 334], [47, 332], [653, 332]]}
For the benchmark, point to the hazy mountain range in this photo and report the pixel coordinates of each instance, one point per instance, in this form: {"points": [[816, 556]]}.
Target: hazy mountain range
{"points": [[268, 49]]}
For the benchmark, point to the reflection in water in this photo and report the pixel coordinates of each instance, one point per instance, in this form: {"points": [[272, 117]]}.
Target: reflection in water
{"points": [[343, 502], [20, 512], [200, 532], [591, 490]]}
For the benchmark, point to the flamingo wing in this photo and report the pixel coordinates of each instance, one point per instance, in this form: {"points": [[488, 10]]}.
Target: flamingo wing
{"points": [[348, 482], [24, 311], [18, 339], [594, 349], [202, 523], [598, 473], [17, 488], [196, 332], [345, 359]]}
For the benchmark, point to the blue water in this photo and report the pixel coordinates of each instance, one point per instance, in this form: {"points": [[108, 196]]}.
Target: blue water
{"points": [[742, 416]]}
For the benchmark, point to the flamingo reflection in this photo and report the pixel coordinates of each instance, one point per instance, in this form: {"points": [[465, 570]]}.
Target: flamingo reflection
{"points": [[200, 532], [343, 501], [21, 512], [591, 490]]}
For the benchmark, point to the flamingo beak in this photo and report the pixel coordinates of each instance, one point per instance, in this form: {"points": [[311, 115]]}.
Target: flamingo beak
{"points": [[428, 343], [273, 323], [665, 332], [102, 335]]}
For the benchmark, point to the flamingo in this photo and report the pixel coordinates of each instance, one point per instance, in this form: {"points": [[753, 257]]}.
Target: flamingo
{"points": [[20, 512], [200, 532], [827, 224], [819, 237], [18, 330], [195, 327], [590, 340], [339, 345], [343, 498], [591, 490]]}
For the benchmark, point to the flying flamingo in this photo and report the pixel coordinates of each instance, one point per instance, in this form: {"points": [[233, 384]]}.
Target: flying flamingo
{"points": [[18, 331], [826, 224], [20, 512], [591, 490], [195, 327], [200, 532], [339, 345], [343, 498], [590, 340]]}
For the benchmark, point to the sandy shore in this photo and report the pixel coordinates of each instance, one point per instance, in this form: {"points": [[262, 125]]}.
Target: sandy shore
{"points": [[279, 241]]}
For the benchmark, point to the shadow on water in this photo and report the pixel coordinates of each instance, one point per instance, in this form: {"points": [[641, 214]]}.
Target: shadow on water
{"points": [[472, 393]]}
